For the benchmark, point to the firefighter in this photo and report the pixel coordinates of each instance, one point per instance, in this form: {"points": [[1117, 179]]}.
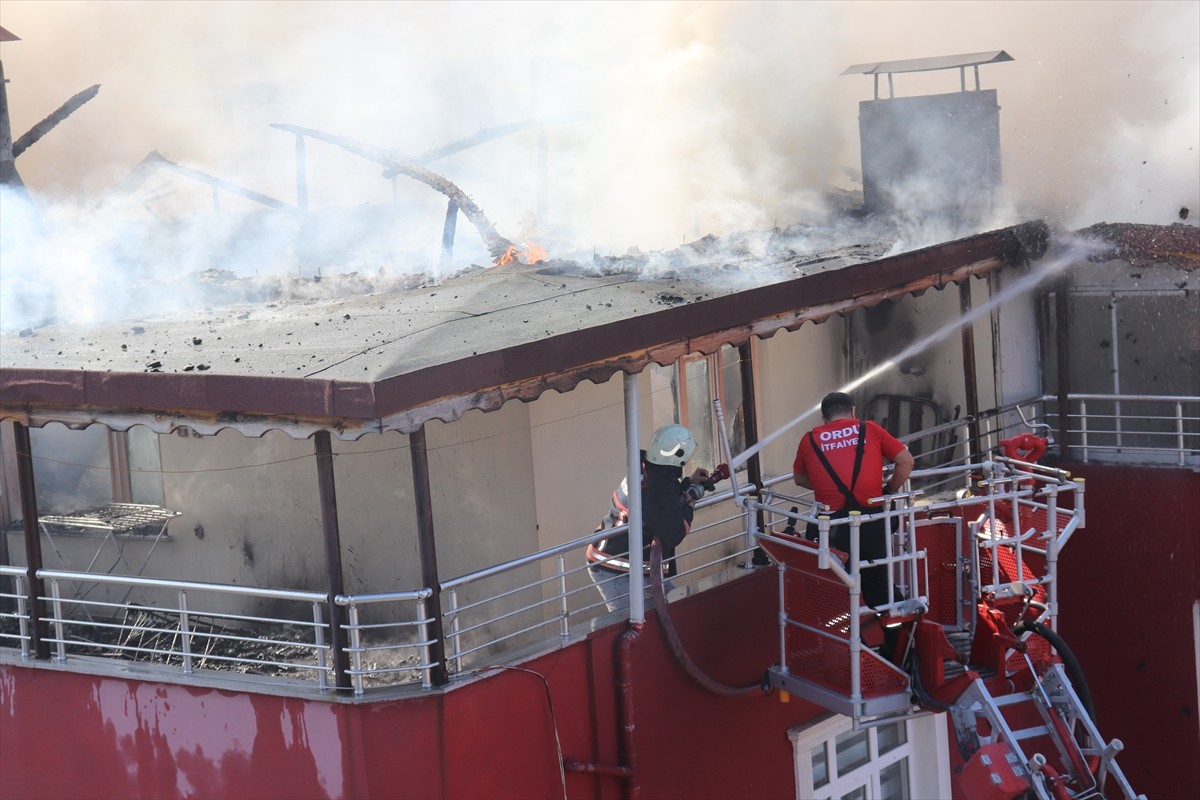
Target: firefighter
{"points": [[842, 461], [667, 507]]}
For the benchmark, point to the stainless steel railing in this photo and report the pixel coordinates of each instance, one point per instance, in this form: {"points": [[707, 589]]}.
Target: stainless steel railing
{"points": [[528, 604]]}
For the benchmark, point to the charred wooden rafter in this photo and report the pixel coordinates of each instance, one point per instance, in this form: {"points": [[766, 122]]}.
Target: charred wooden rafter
{"points": [[48, 124], [496, 244], [156, 161]]}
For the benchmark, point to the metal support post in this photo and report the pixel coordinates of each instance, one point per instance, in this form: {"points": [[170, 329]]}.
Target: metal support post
{"points": [[333, 556], [633, 473], [970, 378], [750, 432], [33, 542], [428, 546]]}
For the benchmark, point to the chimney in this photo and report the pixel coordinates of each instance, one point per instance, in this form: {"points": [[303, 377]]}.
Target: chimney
{"points": [[931, 155]]}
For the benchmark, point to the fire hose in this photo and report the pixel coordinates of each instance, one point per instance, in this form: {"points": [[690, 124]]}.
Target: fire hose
{"points": [[677, 648]]}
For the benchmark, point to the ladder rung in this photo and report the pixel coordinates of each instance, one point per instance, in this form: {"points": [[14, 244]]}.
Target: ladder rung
{"points": [[1029, 733], [1011, 699]]}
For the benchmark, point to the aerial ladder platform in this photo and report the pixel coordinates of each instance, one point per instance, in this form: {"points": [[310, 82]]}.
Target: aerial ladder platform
{"points": [[969, 628]]}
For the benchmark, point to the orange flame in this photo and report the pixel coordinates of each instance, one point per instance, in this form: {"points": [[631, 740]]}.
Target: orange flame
{"points": [[535, 254], [532, 254], [510, 255]]}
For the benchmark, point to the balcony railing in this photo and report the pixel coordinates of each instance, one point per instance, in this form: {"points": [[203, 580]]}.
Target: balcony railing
{"points": [[508, 611]]}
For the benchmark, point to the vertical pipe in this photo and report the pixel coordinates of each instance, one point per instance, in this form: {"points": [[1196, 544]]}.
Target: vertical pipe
{"points": [[428, 547], [1062, 342], [333, 555], [970, 378], [453, 640], [1083, 429], [185, 633], [633, 472], [783, 618], [1179, 440], [59, 632], [319, 641], [855, 617], [1052, 541], [33, 542], [564, 611], [356, 647], [448, 234], [1116, 371], [962, 78], [301, 175], [750, 434], [891, 89], [427, 646], [628, 744]]}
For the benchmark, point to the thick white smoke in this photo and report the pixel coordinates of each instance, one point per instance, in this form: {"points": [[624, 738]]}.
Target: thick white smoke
{"points": [[675, 120]]}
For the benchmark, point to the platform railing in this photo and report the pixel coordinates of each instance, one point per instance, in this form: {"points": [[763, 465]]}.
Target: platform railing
{"points": [[483, 626], [187, 635], [539, 601], [1130, 428], [1020, 512]]}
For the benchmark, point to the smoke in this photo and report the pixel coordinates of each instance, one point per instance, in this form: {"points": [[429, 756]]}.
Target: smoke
{"points": [[671, 121]]}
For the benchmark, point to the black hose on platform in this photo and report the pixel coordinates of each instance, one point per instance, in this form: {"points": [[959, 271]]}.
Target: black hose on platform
{"points": [[668, 629], [1069, 661]]}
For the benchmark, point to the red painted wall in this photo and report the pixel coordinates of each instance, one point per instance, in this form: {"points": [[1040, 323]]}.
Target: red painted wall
{"points": [[1128, 581], [65, 734], [1128, 584]]}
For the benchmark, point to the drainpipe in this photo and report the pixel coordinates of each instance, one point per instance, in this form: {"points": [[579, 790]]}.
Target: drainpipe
{"points": [[750, 433], [1062, 342], [439, 674], [627, 746], [33, 542], [333, 557], [637, 595], [969, 375]]}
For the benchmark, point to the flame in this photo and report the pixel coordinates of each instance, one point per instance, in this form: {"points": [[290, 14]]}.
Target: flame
{"points": [[510, 255], [532, 254]]}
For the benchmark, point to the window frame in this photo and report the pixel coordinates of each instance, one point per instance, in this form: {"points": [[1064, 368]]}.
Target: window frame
{"points": [[926, 747], [716, 388]]}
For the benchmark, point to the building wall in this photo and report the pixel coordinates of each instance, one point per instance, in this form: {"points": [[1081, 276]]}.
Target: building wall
{"points": [[496, 737], [1130, 582]]}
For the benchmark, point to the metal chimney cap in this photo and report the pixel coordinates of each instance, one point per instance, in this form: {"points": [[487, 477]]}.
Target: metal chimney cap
{"points": [[928, 64]]}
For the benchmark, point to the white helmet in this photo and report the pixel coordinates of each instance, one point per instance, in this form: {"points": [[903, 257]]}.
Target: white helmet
{"points": [[671, 446]]}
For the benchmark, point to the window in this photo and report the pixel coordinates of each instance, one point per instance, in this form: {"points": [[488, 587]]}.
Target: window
{"points": [[893, 761], [78, 469], [703, 378]]}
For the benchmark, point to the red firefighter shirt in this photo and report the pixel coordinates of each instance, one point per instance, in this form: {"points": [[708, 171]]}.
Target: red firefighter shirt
{"points": [[838, 441]]}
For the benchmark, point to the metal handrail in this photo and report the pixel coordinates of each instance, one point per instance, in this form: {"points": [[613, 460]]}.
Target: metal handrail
{"points": [[561, 602]]}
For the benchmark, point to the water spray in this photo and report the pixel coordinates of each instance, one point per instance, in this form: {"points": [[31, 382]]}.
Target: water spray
{"points": [[1051, 267]]}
